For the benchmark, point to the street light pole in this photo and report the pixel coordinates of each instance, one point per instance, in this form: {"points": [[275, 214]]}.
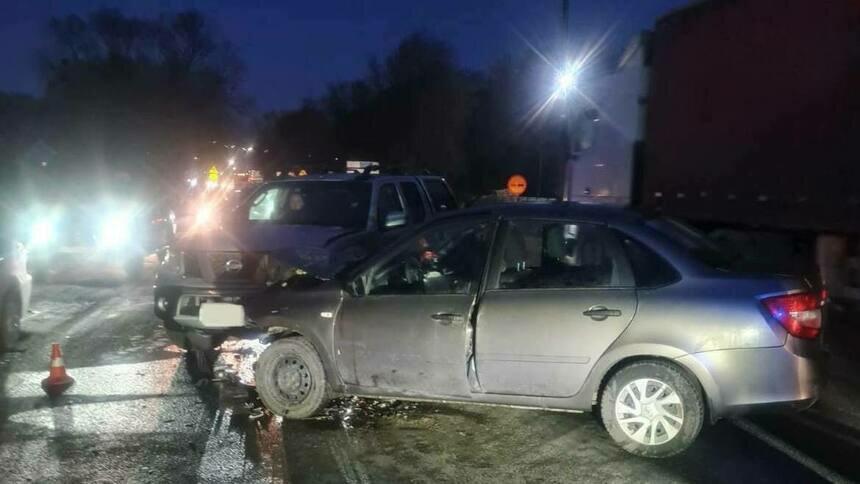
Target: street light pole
{"points": [[567, 142], [565, 24]]}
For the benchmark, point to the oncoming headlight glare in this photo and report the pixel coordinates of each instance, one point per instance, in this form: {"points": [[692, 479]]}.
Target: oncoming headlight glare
{"points": [[114, 231], [42, 232], [204, 215]]}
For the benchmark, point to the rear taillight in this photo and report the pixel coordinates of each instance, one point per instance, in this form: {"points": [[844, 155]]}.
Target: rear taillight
{"points": [[800, 314]]}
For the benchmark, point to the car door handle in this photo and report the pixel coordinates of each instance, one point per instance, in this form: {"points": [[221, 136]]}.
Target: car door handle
{"points": [[599, 313], [446, 319]]}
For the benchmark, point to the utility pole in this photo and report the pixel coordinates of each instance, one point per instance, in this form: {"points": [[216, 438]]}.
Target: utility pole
{"points": [[567, 130], [565, 25]]}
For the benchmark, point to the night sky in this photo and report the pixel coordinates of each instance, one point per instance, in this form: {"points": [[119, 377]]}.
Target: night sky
{"points": [[293, 49]]}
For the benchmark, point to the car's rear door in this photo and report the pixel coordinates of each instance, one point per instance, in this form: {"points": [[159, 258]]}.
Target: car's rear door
{"points": [[560, 294], [408, 331]]}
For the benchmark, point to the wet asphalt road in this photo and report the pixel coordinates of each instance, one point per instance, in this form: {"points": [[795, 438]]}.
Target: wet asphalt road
{"points": [[135, 416]]}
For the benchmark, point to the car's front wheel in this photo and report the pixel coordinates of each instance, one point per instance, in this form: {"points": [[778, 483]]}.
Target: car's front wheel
{"points": [[652, 409], [10, 320], [291, 379]]}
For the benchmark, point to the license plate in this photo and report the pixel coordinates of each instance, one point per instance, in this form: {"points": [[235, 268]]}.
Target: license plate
{"points": [[221, 315]]}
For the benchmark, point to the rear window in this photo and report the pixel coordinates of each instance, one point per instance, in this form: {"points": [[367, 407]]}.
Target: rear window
{"points": [[440, 196], [694, 242], [649, 268]]}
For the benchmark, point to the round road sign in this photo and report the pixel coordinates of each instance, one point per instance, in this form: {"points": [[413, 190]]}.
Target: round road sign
{"points": [[517, 185]]}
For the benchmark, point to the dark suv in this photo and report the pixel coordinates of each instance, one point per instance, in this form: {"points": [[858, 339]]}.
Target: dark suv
{"points": [[314, 224]]}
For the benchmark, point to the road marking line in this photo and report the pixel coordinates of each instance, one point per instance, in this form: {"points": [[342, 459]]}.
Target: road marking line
{"points": [[821, 428], [790, 451]]}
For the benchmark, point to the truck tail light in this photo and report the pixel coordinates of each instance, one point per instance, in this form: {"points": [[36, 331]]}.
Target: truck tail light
{"points": [[799, 314]]}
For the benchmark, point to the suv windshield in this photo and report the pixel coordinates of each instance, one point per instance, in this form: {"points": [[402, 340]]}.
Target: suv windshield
{"points": [[323, 203], [695, 242]]}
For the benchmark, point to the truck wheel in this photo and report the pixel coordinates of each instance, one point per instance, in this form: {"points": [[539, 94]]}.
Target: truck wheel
{"points": [[291, 379], [10, 320], [652, 409]]}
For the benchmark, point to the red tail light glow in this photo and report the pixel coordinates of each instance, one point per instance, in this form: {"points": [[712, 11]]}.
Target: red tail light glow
{"points": [[799, 314]]}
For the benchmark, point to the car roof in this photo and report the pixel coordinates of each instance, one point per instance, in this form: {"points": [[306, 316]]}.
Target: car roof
{"points": [[548, 210]]}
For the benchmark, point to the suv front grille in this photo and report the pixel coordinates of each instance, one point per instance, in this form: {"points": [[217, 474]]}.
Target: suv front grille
{"points": [[236, 266]]}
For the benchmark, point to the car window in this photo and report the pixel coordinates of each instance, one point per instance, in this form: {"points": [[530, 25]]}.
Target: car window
{"points": [[649, 268], [387, 203], [268, 205], [440, 196], [443, 260], [321, 203], [413, 202], [541, 254], [695, 243]]}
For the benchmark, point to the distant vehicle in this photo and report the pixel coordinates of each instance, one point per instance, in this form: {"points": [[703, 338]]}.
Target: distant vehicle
{"points": [[83, 232], [315, 224], [551, 306], [15, 289], [708, 127]]}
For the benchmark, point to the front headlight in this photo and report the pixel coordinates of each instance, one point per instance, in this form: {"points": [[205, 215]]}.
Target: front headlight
{"points": [[204, 216], [42, 233], [114, 232]]}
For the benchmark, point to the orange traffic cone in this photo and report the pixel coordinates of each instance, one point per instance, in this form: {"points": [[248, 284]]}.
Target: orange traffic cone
{"points": [[58, 381]]}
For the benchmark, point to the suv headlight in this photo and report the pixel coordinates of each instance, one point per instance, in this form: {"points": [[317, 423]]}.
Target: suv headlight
{"points": [[42, 232]]}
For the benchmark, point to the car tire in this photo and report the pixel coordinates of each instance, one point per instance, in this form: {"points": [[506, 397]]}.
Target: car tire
{"points": [[291, 379], [652, 409], [10, 320]]}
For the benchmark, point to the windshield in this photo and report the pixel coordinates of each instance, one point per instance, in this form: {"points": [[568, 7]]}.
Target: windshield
{"points": [[321, 203], [695, 242]]}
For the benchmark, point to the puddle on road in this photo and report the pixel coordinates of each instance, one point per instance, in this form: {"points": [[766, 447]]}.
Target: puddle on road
{"points": [[358, 440], [353, 440], [365, 413]]}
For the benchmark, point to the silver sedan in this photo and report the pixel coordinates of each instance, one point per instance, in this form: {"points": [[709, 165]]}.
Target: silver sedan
{"points": [[547, 306]]}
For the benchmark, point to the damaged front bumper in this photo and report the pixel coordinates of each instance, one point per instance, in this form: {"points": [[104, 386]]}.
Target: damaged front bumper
{"points": [[238, 355]]}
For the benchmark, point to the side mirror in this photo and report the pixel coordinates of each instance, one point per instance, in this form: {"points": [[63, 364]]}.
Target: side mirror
{"points": [[394, 219]]}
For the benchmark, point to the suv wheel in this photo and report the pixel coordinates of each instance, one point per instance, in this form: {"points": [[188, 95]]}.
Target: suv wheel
{"points": [[652, 409], [291, 380], [10, 320]]}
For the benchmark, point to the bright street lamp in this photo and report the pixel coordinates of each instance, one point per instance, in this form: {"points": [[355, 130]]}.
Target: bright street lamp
{"points": [[566, 79]]}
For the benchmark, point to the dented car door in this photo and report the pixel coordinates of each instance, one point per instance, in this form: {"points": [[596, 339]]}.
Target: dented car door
{"points": [[406, 329]]}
